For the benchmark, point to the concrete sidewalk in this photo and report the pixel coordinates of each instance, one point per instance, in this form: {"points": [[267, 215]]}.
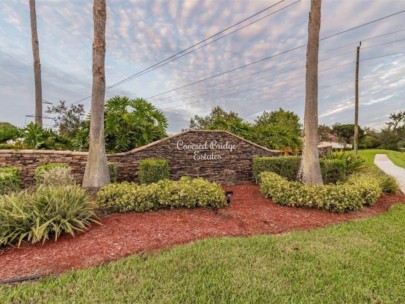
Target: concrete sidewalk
{"points": [[384, 163]]}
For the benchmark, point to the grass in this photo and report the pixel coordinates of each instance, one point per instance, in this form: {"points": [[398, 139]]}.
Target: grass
{"points": [[355, 262], [398, 158]]}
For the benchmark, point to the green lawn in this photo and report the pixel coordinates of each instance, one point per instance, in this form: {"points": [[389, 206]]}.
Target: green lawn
{"points": [[398, 158], [355, 262]]}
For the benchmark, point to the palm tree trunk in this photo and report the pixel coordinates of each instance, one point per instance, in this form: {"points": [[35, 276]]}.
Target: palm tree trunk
{"points": [[37, 64], [96, 173], [310, 157]]}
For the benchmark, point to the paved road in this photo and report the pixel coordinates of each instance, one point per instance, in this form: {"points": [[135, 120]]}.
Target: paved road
{"points": [[384, 163]]}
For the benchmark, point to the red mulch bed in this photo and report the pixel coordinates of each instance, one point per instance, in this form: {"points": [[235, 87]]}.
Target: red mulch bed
{"points": [[124, 234]]}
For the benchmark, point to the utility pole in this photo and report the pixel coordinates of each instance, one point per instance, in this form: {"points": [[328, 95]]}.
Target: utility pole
{"points": [[356, 104]]}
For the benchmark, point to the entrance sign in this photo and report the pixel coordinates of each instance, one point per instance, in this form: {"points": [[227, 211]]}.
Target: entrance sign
{"points": [[206, 150]]}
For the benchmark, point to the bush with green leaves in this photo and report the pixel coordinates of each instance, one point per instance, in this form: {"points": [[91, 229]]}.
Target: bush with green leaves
{"points": [[152, 170], [349, 196], [333, 170], [9, 180], [285, 166], [186, 192], [8, 132], [44, 214], [351, 162], [39, 171]]}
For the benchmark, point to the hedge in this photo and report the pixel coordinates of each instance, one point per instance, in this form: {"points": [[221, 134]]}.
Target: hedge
{"points": [[333, 169], [349, 196], [9, 180], [186, 192], [47, 167], [44, 214], [285, 166], [153, 170], [289, 166]]}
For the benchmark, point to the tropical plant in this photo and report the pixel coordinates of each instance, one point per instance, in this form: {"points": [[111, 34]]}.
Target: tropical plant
{"points": [[36, 137], [44, 214], [131, 123]]}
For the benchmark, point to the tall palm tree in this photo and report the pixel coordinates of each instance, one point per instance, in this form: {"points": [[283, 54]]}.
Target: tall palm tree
{"points": [[37, 64], [96, 173], [311, 171]]}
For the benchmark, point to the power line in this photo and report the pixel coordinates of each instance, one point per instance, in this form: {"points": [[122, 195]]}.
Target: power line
{"points": [[365, 39], [196, 49], [273, 56], [381, 44], [285, 80], [273, 68], [186, 49], [362, 25], [273, 83]]}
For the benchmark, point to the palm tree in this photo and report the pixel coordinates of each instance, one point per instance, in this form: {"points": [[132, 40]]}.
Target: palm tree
{"points": [[96, 173], [37, 64], [311, 171]]}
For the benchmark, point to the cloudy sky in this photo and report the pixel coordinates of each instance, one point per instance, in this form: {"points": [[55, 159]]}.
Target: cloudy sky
{"points": [[141, 33]]}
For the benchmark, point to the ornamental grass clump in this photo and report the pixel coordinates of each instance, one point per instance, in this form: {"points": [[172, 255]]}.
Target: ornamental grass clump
{"points": [[57, 177], [186, 192], [41, 169], [343, 197], [44, 214]]}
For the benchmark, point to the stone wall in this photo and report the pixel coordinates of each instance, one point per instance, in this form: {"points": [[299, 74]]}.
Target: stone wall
{"points": [[216, 155]]}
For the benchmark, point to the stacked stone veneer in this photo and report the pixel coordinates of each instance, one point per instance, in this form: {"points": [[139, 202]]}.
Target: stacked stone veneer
{"points": [[232, 161]]}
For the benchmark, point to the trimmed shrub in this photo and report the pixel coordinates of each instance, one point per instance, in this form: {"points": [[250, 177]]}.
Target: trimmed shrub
{"points": [[42, 168], [340, 198], [112, 168], [333, 170], [153, 170], [9, 180], [44, 214], [285, 166], [186, 192]]}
